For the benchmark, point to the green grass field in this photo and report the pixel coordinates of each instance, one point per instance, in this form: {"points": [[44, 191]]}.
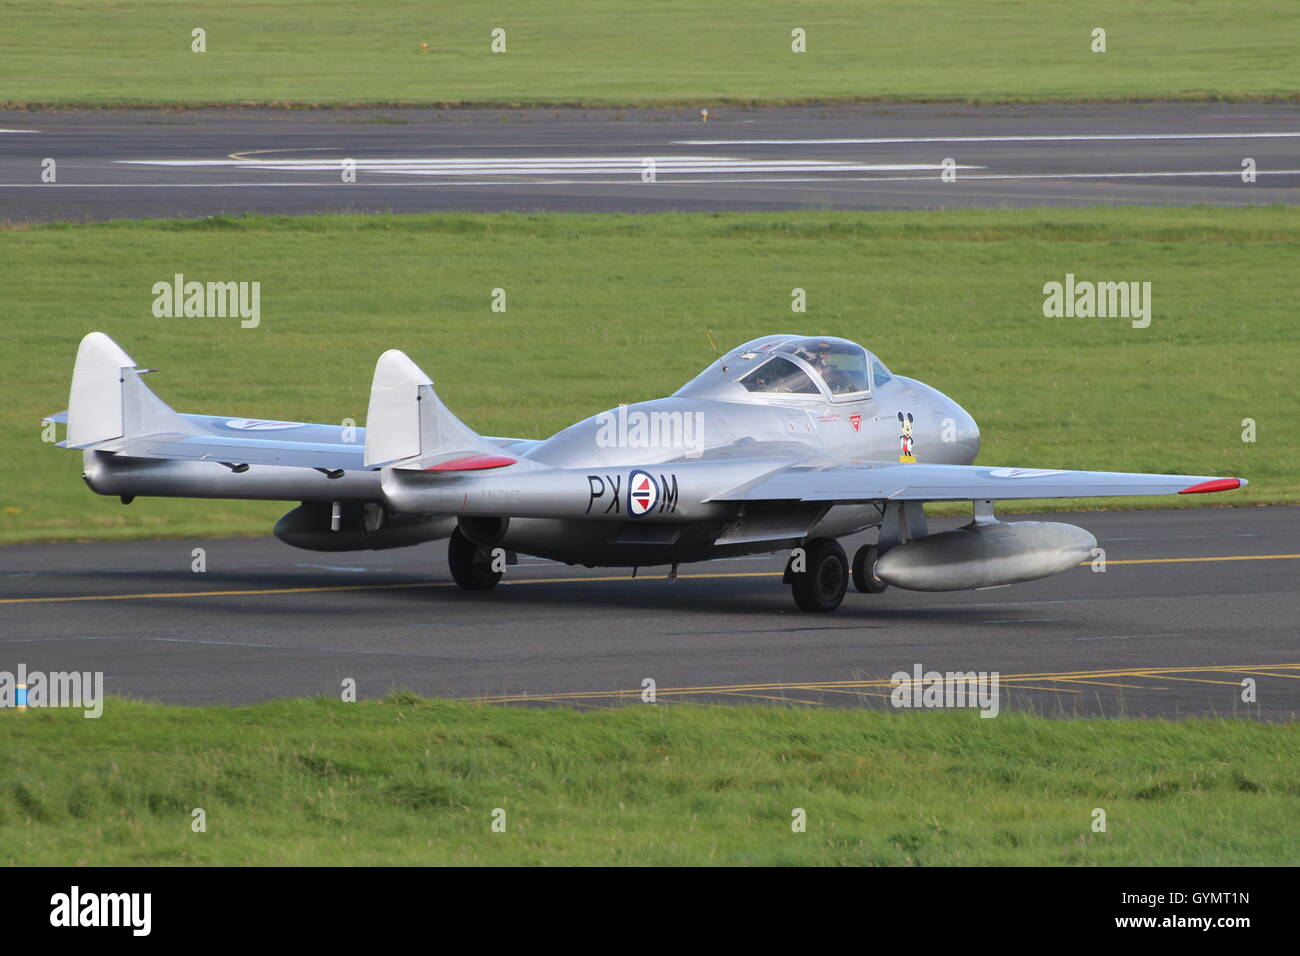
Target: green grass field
{"points": [[615, 52], [610, 309], [405, 781]]}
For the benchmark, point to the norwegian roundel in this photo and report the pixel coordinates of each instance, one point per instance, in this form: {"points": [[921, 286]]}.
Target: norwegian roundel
{"points": [[1023, 473], [642, 494], [259, 425]]}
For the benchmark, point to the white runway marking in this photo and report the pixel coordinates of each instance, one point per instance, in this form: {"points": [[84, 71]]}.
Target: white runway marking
{"points": [[550, 166], [19, 131], [884, 140], [716, 181], [1123, 637], [1202, 172]]}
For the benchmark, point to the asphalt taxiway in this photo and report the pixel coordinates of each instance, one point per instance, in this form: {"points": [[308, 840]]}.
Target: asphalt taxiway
{"points": [[193, 163], [1191, 604]]}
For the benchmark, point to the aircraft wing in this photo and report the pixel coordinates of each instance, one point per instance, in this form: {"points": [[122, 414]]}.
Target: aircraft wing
{"points": [[889, 481]]}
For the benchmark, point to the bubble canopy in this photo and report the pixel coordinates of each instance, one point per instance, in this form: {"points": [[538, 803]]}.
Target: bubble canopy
{"points": [[793, 367]]}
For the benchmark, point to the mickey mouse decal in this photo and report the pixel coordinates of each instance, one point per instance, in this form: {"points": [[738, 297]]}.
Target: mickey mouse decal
{"points": [[905, 439]]}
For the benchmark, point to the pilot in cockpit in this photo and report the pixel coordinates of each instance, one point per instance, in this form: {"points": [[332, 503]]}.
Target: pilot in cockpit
{"points": [[836, 379], [841, 365]]}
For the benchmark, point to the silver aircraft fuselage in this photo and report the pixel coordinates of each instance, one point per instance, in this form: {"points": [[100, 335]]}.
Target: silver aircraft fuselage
{"points": [[733, 427]]}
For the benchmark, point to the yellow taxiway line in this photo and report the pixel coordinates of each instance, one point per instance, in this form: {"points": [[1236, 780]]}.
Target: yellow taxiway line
{"points": [[1232, 557], [1018, 681]]}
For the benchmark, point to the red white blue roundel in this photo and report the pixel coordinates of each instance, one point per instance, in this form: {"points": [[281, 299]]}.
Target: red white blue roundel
{"points": [[1023, 473], [259, 425], [642, 494]]}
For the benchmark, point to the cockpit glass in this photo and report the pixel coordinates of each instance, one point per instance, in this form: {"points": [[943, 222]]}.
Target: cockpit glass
{"points": [[779, 375], [878, 372], [841, 364]]}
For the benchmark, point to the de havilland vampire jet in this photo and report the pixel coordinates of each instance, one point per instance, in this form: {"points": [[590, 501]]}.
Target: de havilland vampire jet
{"points": [[787, 442]]}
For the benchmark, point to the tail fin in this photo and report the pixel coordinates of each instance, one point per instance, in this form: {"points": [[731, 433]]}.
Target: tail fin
{"points": [[109, 401], [408, 423]]}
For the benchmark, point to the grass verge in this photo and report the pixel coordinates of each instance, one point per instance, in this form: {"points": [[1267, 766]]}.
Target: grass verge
{"points": [[410, 781], [623, 52]]}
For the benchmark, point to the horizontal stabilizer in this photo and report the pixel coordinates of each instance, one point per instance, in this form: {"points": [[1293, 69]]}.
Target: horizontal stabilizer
{"points": [[110, 409]]}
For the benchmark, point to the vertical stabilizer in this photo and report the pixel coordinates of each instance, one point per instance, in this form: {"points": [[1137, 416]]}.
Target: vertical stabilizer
{"points": [[109, 401], [407, 420], [95, 403]]}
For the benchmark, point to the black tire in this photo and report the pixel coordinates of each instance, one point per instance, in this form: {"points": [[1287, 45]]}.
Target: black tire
{"points": [[469, 570], [825, 578], [864, 571]]}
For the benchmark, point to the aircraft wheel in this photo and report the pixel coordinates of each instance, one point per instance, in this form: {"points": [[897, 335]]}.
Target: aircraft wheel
{"points": [[825, 578], [864, 570], [471, 572]]}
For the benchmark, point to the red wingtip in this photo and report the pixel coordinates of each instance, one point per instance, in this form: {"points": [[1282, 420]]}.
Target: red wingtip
{"points": [[1216, 484], [472, 463]]}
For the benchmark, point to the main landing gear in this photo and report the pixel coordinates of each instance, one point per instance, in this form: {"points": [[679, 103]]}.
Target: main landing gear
{"points": [[471, 569], [818, 574]]}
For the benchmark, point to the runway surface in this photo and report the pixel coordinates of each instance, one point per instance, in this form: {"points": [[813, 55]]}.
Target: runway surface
{"points": [[209, 162], [1191, 603]]}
